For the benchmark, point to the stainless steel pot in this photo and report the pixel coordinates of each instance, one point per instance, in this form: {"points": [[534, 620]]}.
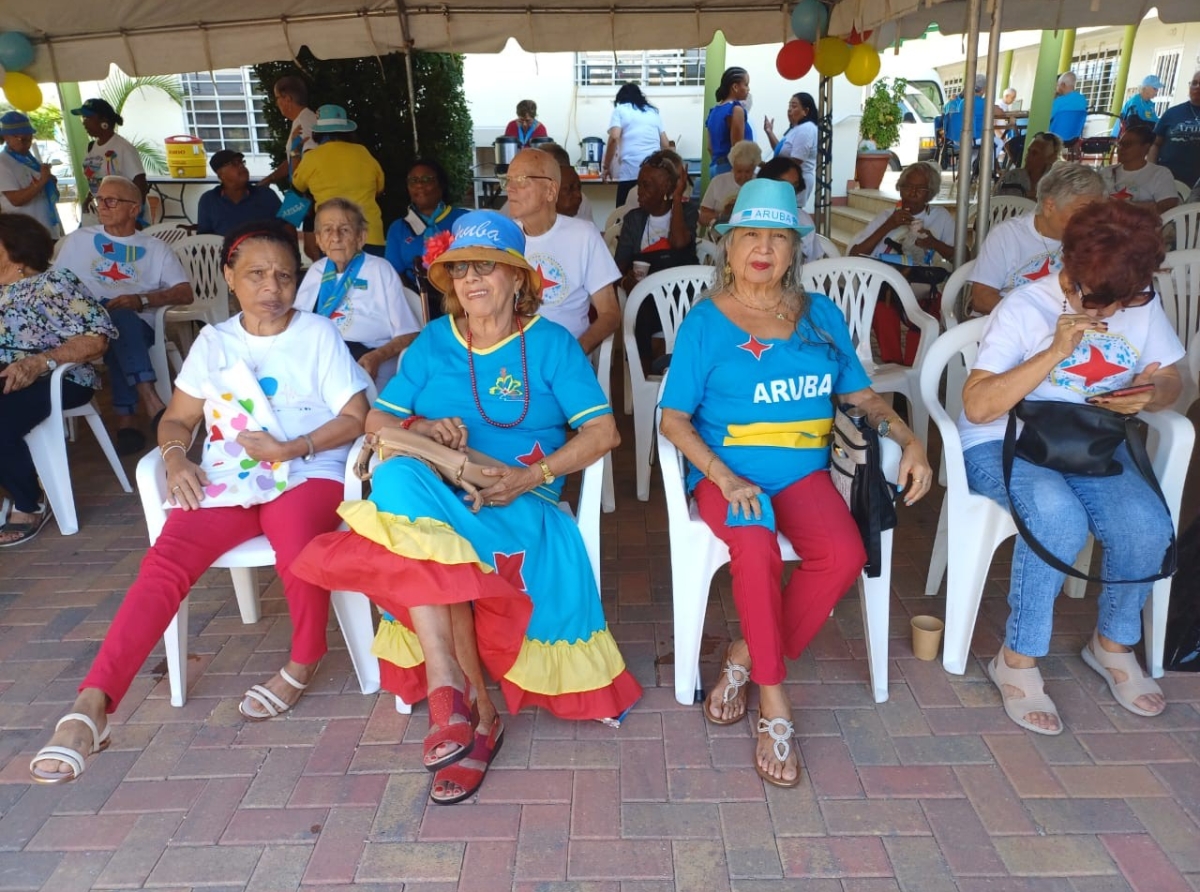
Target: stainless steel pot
{"points": [[505, 148]]}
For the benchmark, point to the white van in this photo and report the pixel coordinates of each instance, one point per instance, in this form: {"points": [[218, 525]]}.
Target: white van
{"points": [[918, 129]]}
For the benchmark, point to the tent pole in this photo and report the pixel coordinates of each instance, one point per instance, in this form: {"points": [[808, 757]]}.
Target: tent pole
{"points": [[967, 137], [1005, 80], [77, 138], [402, 16], [987, 151], [822, 200], [714, 67], [1067, 53]]}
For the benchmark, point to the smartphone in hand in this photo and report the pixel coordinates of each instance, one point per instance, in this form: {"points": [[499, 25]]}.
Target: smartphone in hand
{"points": [[1121, 391]]}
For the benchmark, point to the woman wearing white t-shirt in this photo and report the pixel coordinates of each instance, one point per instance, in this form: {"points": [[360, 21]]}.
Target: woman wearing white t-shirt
{"points": [[799, 141], [635, 132], [1094, 327], [107, 154], [1133, 178]]}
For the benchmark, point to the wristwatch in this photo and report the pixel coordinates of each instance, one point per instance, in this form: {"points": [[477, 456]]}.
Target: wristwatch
{"points": [[145, 301], [51, 365], [547, 476], [884, 427]]}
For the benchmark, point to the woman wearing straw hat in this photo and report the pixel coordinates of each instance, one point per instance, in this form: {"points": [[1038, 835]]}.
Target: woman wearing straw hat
{"points": [[501, 565], [757, 368], [341, 168]]}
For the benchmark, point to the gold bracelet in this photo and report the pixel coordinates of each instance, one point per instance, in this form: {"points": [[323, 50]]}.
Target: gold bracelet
{"points": [[174, 444]]}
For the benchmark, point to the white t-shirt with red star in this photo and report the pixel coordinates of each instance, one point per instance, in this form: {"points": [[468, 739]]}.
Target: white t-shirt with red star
{"points": [[110, 266], [575, 264], [1153, 182], [1023, 324], [1015, 254], [765, 407]]}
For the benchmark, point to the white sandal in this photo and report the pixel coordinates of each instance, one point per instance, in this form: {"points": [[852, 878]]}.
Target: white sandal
{"points": [[736, 677], [75, 759], [268, 700], [781, 743]]}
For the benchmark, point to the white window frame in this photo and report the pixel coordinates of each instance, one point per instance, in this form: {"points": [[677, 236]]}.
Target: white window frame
{"points": [[1167, 69], [1083, 64], [641, 65], [199, 87]]}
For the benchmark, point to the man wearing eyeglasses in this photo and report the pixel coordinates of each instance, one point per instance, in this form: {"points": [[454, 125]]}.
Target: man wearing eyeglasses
{"points": [[1177, 137], [132, 275], [569, 253]]}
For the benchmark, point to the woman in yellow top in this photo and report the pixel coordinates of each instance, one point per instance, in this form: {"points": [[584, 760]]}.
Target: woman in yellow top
{"points": [[340, 168]]}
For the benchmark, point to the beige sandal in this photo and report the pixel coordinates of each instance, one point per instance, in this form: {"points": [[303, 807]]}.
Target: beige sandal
{"points": [[1136, 683], [781, 732], [1028, 681], [736, 678], [74, 759]]}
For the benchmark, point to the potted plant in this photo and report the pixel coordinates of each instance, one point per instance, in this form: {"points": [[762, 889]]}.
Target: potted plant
{"points": [[878, 131]]}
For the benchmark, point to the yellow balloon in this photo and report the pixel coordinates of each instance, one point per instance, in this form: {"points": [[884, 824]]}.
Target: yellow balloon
{"points": [[22, 91], [832, 56], [863, 65]]}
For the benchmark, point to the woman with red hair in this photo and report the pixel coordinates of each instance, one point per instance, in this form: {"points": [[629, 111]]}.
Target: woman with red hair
{"points": [[1075, 337]]}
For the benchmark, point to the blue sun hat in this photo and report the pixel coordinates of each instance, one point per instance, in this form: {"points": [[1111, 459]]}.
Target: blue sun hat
{"points": [[484, 235], [333, 119], [14, 123], [765, 204]]}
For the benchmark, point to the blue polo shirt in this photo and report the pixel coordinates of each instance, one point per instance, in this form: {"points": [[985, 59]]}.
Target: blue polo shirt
{"points": [[220, 216], [1068, 114]]}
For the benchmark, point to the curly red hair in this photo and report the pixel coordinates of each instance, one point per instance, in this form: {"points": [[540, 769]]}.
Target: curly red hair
{"points": [[1113, 248]]}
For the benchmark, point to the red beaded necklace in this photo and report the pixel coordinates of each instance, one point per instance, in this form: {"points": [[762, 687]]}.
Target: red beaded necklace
{"points": [[524, 380]]}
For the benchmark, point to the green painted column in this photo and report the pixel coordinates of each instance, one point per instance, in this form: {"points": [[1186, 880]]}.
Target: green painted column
{"points": [[1122, 79], [714, 67], [77, 138], [1068, 50], [1044, 80], [1003, 82]]}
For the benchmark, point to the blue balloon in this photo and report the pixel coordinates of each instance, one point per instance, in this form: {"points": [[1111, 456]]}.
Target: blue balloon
{"points": [[16, 52], [810, 19]]}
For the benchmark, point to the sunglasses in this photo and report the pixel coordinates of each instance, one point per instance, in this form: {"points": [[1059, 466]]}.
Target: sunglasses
{"points": [[520, 181], [458, 269], [107, 202], [1095, 300], [426, 180]]}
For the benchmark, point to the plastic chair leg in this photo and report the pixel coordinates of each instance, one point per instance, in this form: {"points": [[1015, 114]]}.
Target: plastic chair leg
{"points": [[245, 587], [965, 577], [49, 451], [608, 498], [1154, 624], [875, 596], [628, 389], [175, 645], [691, 582], [97, 425], [353, 612], [402, 707], [643, 436], [937, 560]]}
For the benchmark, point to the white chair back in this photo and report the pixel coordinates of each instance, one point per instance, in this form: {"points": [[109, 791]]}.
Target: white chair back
{"points": [[954, 308], [201, 259], [1005, 207], [1186, 220], [706, 252], [1184, 190], [673, 292], [827, 245], [416, 305], [1178, 284], [167, 232]]}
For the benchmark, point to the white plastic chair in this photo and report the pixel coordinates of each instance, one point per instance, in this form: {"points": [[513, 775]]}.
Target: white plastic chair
{"points": [[168, 232], [706, 252], [603, 362], [673, 292], [352, 609], [971, 526], [201, 259], [1005, 207], [1184, 190], [697, 554], [1186, 218], [416, 305], [1178, 284], [48, 447], [953, 312], [853, 283], [827, 245]]}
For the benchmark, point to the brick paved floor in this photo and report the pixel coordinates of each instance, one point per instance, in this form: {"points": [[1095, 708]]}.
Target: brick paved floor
{"points": [[933, 791]]}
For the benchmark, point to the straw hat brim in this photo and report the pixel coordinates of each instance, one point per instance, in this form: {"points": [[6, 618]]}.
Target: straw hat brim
{"points": [[439, 273]]}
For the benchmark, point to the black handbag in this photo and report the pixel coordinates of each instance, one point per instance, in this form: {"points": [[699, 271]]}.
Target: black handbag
{"points": [[1075, 438], [857, 472]]}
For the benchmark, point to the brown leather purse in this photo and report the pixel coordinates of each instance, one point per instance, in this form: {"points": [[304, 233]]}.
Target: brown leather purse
{"points": [[455, 467]]}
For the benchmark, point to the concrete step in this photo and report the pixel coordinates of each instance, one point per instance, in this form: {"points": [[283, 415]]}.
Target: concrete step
{"points": [[872, 200]]}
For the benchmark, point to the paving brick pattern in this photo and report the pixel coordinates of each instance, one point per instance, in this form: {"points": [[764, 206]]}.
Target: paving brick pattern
{"points": [[933, 790]]}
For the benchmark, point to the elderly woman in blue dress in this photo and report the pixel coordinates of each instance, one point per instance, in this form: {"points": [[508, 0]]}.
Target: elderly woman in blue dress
{"points": [[499, 577]]}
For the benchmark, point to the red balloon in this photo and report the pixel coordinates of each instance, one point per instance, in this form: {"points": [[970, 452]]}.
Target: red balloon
{"points": [[856, 38], [795, 59]]}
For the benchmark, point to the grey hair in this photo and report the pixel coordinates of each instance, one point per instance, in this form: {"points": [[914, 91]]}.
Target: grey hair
{"points": [[1067, 181], [745, 152], [126, 185], [980, 83], [794, 295], [347, 207], [1068, 78], [933, 176]]}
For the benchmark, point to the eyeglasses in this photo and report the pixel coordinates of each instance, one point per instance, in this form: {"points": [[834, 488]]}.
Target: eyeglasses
{"points": [[913, 188], [520, 181], [1096, 300], [110, 203], [458, 269], [342, 231], [426, 180]]}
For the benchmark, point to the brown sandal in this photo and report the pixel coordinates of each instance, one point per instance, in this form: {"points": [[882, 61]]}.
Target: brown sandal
{"points": [[781, 732]]}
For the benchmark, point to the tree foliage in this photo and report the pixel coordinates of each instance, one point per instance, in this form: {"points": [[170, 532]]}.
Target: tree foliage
{"points": [[116, 90], [881, 114], [45, 120], [374, 93]]}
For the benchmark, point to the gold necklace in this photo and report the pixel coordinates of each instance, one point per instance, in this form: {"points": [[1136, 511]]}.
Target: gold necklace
{"points": [[774, 309]]}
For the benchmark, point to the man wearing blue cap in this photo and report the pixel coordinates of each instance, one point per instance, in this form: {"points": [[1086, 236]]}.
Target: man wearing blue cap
{"points": [[235, 202], [26, 184], [1140, 106]]}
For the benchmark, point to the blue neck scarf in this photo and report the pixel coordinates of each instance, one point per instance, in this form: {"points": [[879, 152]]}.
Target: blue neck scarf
{"points": [[523, 135], [335, 288], [50, 189]]}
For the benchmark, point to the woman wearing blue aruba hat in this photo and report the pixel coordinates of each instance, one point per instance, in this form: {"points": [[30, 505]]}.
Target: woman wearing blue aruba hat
{"points": [[493, 574], [757, 369]]}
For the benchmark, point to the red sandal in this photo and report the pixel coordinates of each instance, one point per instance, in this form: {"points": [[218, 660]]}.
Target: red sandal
{"points": [[467, 775], [446, 705]]}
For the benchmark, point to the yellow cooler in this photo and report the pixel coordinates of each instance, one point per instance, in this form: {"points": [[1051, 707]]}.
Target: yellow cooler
{"points": [[185, 158]]}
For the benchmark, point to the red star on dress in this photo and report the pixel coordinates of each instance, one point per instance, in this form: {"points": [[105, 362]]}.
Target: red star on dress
{"points": [[511, 568], [547, 282], [535, 455], [114, 273], [755, 346], [1041, 272], [1097, 368], [1123, 195]]}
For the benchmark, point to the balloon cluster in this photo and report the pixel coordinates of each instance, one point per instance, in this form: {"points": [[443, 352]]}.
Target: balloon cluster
{"points": [[831, 56], [21, 91]]}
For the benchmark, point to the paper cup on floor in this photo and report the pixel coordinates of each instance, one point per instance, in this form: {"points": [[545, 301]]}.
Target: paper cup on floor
{"points": [[641, 269], [926, 636]]}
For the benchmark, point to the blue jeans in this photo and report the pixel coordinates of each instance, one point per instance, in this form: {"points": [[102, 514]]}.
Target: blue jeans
{"points": [[128, 359], [1122, 512]]}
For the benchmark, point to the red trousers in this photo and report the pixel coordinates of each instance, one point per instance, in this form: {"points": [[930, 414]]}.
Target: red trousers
{"points": [[780, 622], [189, 543]]}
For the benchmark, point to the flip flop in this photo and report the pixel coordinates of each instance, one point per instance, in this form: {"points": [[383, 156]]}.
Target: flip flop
{"points": [[27, 529], [736, 677], [75, 759], [781, 732], [467, 774], [1029, 681], [446, 704], [268, 700], [1136, 683]]}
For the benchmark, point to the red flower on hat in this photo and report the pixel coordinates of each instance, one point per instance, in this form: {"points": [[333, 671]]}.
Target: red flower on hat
{"points": [[436, 246]]}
